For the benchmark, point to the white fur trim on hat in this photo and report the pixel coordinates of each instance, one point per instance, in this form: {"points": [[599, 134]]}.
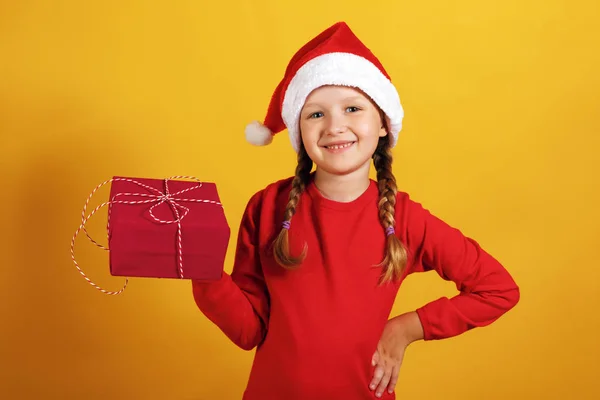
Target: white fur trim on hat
{"points": [[341, 69], [258, 134]]}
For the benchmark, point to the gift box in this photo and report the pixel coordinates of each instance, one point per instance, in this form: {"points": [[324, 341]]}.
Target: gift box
{"points": [[164, 228]]}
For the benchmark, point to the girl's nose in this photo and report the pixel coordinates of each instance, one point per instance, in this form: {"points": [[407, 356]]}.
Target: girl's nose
{"points": [[335, 125]]}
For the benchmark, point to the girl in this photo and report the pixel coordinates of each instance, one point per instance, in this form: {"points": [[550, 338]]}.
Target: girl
{"points": [[321, 255]]}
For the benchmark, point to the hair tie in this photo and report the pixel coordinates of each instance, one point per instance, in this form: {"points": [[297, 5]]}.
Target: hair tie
{"points": [[389, 230], [286, 224]]}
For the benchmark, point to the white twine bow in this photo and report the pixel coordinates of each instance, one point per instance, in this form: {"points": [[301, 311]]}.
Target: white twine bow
{"points": [[155, 196]]}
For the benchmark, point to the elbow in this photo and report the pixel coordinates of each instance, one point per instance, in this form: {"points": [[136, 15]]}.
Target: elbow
{"points": [[507, 299], [244, 340], [506, 292], [498, 303], [512, 293], [513, 297], [247, 346], [249, 342]]}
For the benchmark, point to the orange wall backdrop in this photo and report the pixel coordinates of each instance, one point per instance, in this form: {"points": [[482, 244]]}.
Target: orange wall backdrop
{"points": [[501, 139]]}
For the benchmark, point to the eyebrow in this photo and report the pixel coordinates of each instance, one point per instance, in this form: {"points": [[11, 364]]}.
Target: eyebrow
{"points": [[346, 99]]}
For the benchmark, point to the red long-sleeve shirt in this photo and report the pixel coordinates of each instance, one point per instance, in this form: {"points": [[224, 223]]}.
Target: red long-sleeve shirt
{"points": [[315, 329]]}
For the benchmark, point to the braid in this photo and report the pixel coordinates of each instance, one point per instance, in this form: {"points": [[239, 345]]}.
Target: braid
{"points": [[281, 245], [396, 255]]}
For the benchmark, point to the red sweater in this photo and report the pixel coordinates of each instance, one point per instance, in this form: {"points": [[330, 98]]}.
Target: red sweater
{"points": [[315, 329]]}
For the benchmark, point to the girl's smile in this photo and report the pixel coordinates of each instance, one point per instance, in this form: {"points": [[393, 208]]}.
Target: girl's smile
{"points": [[339, 146]]}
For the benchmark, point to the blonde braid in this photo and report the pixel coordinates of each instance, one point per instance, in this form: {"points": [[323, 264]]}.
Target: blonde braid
{"points": [[281, 249], [396, 255]]}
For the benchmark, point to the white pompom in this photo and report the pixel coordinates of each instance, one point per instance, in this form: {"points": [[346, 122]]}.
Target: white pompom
{"points": [[258, 134]]}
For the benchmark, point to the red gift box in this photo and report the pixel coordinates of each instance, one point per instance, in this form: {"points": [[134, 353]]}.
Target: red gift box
{"points": [[163, 228]]}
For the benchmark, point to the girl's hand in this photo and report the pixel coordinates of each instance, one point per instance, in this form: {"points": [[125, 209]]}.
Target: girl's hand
{"points": [[398, 333]]}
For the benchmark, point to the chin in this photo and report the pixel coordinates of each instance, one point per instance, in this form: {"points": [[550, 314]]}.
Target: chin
{"points": [[338, 164], [339, 168]]}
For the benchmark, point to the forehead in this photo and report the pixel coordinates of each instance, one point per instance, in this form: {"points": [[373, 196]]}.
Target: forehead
{"points": [[335, 93]]}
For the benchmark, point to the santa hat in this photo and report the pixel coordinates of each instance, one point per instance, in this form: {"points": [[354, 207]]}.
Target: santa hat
{"points": [[334, 57]]}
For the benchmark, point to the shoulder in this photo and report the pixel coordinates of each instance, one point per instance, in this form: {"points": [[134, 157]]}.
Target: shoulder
{"points": [[270, 195], [273, 190], [405, 202], [409, 211], [264, 206], [418, 222]]}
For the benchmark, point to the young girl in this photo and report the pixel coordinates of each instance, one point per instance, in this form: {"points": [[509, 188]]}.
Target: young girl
{"points": [[321, 255]]}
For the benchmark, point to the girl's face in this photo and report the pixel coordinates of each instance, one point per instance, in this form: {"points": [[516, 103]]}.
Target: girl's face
{"points": [[340, 129]]}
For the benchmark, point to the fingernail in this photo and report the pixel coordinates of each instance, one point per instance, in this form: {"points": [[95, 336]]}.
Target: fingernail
{"points": [[378, 394], [372, 387]]}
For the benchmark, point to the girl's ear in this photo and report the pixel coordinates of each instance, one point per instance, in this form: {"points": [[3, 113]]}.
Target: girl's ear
{"points": [[383, 131]]}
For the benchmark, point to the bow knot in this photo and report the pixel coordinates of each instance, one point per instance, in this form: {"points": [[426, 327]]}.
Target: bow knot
{"points": [[171, 201]]}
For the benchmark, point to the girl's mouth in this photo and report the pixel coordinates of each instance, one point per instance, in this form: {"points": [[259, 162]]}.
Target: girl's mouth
{"points": [[339, 146]]}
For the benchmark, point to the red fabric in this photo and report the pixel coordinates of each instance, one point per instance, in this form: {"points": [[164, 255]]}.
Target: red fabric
{"points": [[141, 247], [316, 328]]}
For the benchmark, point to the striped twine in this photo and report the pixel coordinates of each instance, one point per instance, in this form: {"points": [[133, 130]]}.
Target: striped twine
{"points": [[155, 196]]}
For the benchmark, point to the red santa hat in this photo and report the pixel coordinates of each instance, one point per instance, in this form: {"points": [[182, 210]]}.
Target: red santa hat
{"points": [[334, 57]]}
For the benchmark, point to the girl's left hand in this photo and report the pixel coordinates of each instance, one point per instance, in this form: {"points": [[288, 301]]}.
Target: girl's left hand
{"points": [[398, 333]]}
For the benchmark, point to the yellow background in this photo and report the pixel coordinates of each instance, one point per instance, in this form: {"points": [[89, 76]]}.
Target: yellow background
{"points": [[501, 139]]}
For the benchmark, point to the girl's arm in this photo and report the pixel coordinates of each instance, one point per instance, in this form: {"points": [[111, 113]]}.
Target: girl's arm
{"points": [[487, 290], [238, 303]]}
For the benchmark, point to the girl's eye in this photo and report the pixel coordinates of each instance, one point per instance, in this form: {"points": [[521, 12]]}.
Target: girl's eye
{"points": [[352, 109], [315, 115]]}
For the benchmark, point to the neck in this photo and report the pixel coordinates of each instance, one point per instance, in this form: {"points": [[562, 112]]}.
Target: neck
{"points": [[343, 188]]}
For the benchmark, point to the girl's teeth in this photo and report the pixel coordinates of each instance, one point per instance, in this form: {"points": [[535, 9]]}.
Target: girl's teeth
{"points": [[339, 146]]}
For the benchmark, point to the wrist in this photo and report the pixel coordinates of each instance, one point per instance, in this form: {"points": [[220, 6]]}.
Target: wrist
{"points": [[409, 327]]}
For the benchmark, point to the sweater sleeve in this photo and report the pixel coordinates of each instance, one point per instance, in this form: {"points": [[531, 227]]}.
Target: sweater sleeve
{"points": [[486, 289], [238, 303]]}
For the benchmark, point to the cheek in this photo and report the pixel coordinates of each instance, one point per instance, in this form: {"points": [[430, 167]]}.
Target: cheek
{"points": [[309, 140], [309, 135], [369, 132], [304, 130]]}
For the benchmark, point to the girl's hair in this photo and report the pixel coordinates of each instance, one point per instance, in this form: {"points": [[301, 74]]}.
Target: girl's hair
{"points": [[395, 255], [281, 249], [395, 252]]}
